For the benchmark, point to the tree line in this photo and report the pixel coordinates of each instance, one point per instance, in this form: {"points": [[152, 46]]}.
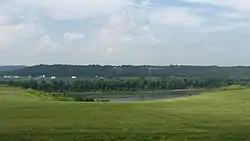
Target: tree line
{"points": [[108, 71], [141, 84]]}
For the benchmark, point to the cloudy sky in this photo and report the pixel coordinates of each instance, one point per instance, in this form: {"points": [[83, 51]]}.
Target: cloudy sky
{"points": [[159, 32]]}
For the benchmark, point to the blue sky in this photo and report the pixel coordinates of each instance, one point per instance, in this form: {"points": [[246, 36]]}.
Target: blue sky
{"points": [[158, 32]]}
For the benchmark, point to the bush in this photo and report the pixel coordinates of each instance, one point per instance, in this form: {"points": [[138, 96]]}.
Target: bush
{"points": [[233, 87], [83, 99], [103, 100], [63, 98], [49, 96]]}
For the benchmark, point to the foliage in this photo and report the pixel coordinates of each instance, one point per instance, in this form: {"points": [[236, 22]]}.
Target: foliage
{"points": [[83, 99], [49, 96], [140, 84], [233, 87]]}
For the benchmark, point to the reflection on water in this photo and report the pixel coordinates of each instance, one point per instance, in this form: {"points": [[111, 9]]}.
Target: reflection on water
{"points": [[138, 96]]}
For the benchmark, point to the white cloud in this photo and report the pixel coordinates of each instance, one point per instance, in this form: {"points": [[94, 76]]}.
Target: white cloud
{"points": [[126, 38], [126, 28], [72, 36], [121, 31], [5, 15], [3, 18], [10, 33], [14, 25], [224, 27], [28, 29], [47, 45], [236, 4], [217, 28], [233, 15], [145, 28], [175, 16], [146, 2], [77, 9]]}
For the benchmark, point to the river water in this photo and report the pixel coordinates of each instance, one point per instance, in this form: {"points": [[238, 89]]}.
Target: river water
{"points": [[138, 96]]}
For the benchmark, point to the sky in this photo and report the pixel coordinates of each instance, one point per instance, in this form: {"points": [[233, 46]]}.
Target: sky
{"points": [[115, 32]]}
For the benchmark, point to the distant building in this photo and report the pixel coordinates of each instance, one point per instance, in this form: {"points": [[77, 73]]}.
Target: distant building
{"points": [[100, 77], [52, 77]]}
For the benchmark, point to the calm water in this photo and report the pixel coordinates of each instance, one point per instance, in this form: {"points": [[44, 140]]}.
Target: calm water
{"points": [[138, 96]]}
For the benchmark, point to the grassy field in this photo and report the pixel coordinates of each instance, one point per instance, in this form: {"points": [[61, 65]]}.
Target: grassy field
{"points": [[218, 116]]}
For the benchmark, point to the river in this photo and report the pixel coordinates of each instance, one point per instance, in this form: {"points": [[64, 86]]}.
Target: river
{"points": [[137, 96]]}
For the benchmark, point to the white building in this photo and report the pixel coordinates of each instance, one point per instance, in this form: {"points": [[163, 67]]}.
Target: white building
{"points": [[52, 77]]}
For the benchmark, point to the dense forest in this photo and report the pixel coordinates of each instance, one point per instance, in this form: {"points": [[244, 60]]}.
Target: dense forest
{"points": [[126, 77], [142, 84], [11, 68], [108, 71]]}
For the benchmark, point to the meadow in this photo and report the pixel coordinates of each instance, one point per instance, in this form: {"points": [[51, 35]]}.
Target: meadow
{"points": [[211, 116]]}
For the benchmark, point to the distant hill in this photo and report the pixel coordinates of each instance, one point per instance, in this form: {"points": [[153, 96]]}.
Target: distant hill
{"points": [[109, 71], [11, 68]]}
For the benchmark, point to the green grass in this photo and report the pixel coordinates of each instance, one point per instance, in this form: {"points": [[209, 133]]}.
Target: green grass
{"points": [[218, 116]]}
